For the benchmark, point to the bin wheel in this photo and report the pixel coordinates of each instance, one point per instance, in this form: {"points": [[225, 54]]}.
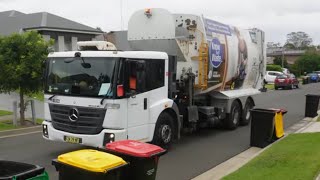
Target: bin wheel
{"points": [[246, 116], [164, 131], [233, 118]]}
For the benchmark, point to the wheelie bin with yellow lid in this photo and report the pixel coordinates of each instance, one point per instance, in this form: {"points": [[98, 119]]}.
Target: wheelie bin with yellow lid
{"points": [[89, 164], [142, 157], [266, 126]]}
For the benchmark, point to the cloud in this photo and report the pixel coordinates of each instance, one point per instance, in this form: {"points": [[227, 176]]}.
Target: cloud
{"points": [[276, 17]]}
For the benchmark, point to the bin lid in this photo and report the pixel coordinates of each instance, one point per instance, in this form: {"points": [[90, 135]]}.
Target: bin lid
{"points": [[135, 148], [92, 160], [283, 111]]}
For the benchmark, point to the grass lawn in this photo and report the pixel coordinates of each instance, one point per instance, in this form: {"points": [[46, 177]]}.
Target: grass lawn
{"points": [[4, 113], [7, 125], [270, 86], [295, 157], [38, 121]]}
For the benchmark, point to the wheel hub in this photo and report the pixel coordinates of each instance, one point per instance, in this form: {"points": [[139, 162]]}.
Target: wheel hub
{"points": [[248, 114], [166, 133], [236, 116]]}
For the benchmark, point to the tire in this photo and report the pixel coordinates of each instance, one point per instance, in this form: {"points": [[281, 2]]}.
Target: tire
{"points": [[164, 131], [297, 86], [291, 86], [246, 115], [233, 118], [276, 87]]}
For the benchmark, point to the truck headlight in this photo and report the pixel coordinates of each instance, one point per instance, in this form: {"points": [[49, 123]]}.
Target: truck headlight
{"points": [[45, 131], [108, 138]]}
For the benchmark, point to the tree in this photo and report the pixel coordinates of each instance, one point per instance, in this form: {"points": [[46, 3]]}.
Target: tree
{"points": [[278, 61], [273, 45], [299, 40], [21, 65], [289, 46], [309, 62]]}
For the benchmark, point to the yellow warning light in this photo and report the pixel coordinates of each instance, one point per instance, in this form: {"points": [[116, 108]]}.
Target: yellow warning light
{"points": [[147, 12]]}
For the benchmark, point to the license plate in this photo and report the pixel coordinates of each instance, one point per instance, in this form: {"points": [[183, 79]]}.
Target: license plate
{"points": [[73, 140], [281, 80]]}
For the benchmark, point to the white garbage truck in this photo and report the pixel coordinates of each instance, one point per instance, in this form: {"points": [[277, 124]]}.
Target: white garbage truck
{"points": [[183, 72]]}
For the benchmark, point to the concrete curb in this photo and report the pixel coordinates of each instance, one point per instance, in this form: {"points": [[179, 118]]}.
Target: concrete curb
{"points": [[243, 158], [14, 132]]}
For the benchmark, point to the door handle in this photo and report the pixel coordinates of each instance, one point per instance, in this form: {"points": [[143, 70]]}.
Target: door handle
{"points": [[145, 103]]}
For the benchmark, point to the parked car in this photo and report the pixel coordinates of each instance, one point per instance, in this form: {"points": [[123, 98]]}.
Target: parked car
{"points": [[286, 82], [314, 77], [285, 71], [317, 72], [271, 76]]}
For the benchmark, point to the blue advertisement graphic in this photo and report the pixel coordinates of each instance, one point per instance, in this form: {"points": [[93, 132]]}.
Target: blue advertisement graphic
{"points": [[216, 53], [216, 27]]}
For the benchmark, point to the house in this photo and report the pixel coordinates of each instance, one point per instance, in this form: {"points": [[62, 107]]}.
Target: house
{"points": [[65, 32]]}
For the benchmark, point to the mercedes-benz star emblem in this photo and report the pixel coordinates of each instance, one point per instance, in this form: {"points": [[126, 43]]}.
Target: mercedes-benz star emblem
{"points": [[73, 114]]}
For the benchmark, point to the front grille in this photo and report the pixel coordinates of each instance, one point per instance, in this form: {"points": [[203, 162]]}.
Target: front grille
{"points": [[89, 121]]}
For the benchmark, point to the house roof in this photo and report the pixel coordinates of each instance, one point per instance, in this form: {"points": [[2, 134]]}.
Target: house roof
{"points": [[11, 13], [15, 21]]}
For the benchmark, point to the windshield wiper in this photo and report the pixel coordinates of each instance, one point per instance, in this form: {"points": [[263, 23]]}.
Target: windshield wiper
{"points": [[106, 96], [50, 98]]}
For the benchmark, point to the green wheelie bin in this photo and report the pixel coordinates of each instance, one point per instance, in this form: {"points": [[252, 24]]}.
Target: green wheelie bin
{"points": [[10, 170]]}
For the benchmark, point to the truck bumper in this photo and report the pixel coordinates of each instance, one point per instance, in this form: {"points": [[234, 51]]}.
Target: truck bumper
{"points": [[98, 140]]}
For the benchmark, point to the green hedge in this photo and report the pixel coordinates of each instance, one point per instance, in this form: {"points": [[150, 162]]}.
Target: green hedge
{"points": [[273, 67]]}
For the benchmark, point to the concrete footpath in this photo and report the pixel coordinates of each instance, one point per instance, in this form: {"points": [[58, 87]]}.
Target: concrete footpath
{"points": [[307, 125]]}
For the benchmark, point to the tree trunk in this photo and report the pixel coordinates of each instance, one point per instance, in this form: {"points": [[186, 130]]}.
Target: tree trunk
{"points": [[22, 108]]}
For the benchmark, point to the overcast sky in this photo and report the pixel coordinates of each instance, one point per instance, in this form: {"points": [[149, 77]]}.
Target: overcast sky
{"points": [[276, 17]]}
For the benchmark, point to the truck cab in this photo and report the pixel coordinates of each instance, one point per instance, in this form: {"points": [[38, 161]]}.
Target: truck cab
{"points": [[96, 97]]}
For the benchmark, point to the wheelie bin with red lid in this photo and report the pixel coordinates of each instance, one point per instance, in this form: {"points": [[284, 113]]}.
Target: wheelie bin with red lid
{"points": [[142, 158]]}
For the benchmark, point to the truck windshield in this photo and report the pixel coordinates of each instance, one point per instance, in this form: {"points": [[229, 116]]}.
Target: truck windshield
{"points": [[80, 76]]}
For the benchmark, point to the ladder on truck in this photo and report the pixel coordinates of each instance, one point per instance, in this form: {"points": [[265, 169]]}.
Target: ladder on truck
{"points": [[203, 66]]}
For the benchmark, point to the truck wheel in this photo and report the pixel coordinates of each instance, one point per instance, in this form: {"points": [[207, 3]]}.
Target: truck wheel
{"points": [[164, 131], [246, 115], [233, 118]]}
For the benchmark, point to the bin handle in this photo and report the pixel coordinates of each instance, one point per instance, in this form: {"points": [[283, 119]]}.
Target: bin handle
{"points": [[159, 153], [283, 111]]}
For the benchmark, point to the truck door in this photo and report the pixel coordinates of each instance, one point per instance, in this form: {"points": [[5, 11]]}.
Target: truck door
{"points": [[138, 112]]}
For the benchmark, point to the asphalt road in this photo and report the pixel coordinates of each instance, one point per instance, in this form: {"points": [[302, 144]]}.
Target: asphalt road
{"points": [[191, 156]]}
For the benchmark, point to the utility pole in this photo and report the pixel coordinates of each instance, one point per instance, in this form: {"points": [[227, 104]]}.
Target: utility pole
{"points": [[282, 62]]}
